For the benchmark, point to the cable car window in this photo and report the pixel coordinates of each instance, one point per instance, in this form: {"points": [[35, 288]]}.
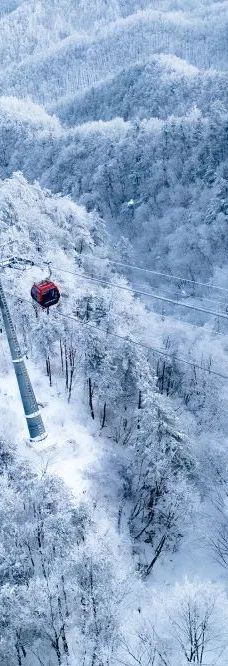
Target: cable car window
{"points": [[34, 292], [50, 294]]}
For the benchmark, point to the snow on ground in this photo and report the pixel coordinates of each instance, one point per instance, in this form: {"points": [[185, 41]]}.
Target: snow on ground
{"points": [[75, 451], [69, 450]]}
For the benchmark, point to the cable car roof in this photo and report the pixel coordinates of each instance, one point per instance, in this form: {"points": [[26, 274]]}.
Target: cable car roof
{"points": [[44, 285]]}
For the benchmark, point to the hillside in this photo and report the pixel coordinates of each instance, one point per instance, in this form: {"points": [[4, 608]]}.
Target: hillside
{"points": [[106, 164], [163, 86], [89, 57]]}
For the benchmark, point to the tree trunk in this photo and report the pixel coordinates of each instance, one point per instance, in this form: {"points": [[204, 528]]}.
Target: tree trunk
{"points": [[19, 659], [64, 640], [96, 631], [48, 367], [91, 399], [70, 384], [140, 400], [163, 378], [55, 645], [62, 630], [61, 354], [66, 366], [156, 556], [104, 416], [31, 557], [65, 596], [139, 407]]}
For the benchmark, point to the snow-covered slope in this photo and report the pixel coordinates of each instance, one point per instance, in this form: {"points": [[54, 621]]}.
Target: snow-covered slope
{"points": [[37, 26], [106, 479], [30, 26], [164, 86], [107, 164], [81, 60]]}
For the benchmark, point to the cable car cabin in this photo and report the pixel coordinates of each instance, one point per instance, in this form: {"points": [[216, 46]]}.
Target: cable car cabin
{"points": [[45, 293]]}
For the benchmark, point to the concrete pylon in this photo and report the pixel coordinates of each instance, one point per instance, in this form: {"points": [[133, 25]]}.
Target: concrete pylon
{"points": [[34, 421]]}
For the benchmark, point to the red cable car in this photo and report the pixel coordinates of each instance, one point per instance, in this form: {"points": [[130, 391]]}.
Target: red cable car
{"points": [[45, 293]]}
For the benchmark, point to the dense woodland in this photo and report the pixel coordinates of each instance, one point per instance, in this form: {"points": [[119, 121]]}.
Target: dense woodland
{"points": [[113, 154]]}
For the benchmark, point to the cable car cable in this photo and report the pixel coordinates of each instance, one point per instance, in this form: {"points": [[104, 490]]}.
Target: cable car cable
{"points": [[167, 275], [136, 343], [88, 277], [152, 311], [133, 291], [148, 347]]}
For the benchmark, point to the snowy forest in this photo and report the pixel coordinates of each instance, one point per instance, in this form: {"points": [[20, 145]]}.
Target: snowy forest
{"points": [[114, 185]]}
